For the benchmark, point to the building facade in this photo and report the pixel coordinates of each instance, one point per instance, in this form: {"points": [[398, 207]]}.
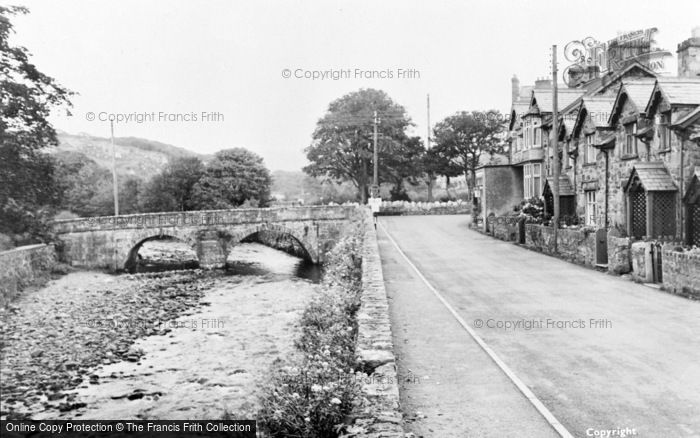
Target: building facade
{"points": [[629, 149]]}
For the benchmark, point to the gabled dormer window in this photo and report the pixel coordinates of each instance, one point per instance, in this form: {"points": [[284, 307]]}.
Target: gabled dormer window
{"points": [[630, 146]]}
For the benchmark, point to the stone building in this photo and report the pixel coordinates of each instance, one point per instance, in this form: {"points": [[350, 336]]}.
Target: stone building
{"points": [[628, 145]]}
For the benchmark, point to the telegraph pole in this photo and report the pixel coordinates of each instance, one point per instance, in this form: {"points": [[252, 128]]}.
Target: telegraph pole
{"points": [[427, 147], [555, 144], [375, 181], [114, 171]]}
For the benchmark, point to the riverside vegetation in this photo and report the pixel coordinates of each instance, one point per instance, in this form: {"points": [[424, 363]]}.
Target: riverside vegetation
{"points": [[311, 393]]}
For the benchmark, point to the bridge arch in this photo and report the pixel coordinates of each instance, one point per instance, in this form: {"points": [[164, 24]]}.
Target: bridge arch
{"points": [[302, 235], [130, 264]]}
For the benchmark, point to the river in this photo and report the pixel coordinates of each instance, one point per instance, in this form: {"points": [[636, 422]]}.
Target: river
{"points": [[212, 362]]}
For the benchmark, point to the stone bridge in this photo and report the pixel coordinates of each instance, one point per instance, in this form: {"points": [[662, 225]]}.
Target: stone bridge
{"points": [[113, 242]]}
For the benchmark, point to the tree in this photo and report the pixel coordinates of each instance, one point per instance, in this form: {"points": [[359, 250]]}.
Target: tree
{"points": [[26, 98], [465, 136], [437, 162], [342, 145], [405, 165], [234, 177], [172, 189], [129, 191], [84, 185]]}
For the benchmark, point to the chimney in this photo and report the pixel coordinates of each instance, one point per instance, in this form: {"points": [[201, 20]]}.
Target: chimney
{"points": [[689, 56], [541, 83], [515, 88]]}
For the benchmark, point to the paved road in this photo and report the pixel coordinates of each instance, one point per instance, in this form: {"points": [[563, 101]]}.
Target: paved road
{"points": [[637, 368]]}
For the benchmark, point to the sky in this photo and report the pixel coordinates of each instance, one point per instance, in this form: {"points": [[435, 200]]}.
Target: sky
{"points": [[170, 63]]}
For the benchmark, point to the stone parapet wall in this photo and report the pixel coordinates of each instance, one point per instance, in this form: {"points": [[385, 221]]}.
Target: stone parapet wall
{"points": [[206, 218], [378, 415], [22, 267], [404, 208], [681, 273]]}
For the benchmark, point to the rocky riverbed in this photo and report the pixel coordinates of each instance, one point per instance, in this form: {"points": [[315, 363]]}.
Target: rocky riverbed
{"points": [[183, 344]]}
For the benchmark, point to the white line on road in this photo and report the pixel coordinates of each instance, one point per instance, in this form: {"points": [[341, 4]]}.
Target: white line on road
{"points": [[532, 398]]}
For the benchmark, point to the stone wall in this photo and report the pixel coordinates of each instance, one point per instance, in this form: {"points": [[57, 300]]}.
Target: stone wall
{"points": [[641, 262], [576, 246], [504, 228], [681, 273], [22, 267], [619, 261], [404, 208], [539, 237], [379, 414]]}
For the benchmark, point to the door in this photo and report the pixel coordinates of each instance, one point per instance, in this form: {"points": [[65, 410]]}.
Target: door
{"points": [[601, 247]]}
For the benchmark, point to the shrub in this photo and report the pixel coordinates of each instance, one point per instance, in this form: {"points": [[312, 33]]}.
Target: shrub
{"points": [[311, 394], [532, 210]]}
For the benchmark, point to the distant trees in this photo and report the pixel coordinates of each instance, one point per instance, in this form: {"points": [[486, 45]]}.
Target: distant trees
{"points": [[27, 95], [172, 189], [464, 137], [85, 187], [233, 178], [342, 145]]}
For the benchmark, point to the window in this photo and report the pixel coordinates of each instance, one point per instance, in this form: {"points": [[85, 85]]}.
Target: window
{"points": [[590, 207], [532, 180], [526, 181], [630, 139], [536, 179], [589, 150], [664, 132], [538, 137]]}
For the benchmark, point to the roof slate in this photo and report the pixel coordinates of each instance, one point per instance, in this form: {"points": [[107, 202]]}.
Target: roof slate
{"points": [[564, 97], [639, 91], [565, 186], [654, 177], [599, 108], [680, 91]]}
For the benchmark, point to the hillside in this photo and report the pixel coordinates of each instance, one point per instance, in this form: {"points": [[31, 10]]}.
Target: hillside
{"points": [[136, 157]]}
